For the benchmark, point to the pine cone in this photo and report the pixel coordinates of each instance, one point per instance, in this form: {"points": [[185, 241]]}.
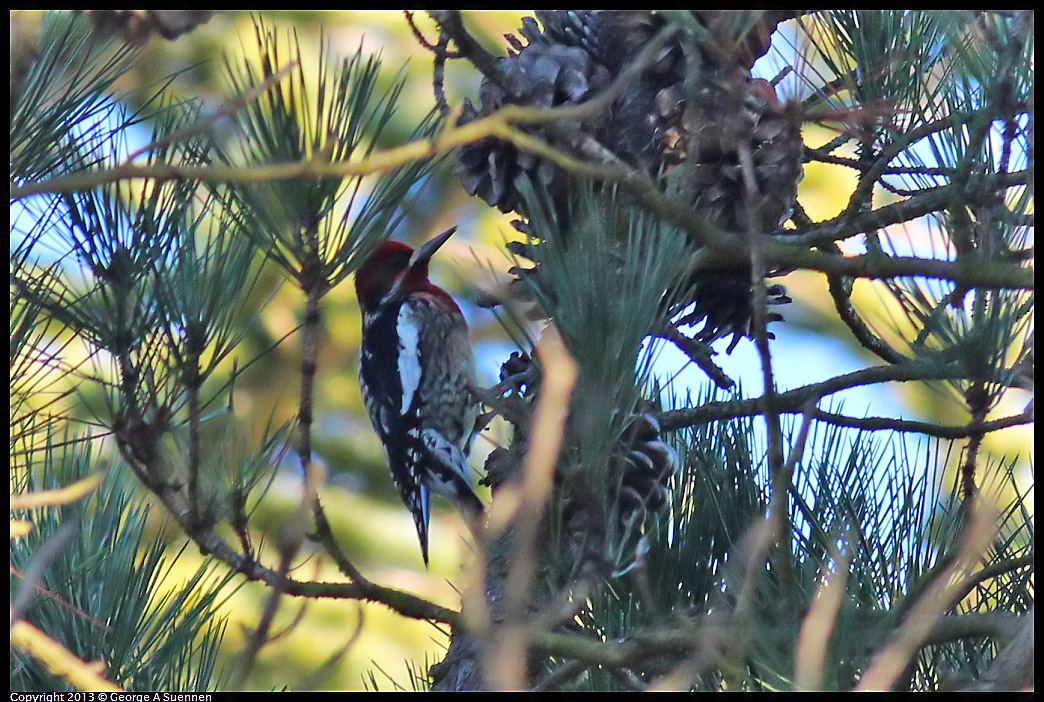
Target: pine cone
{"points": [[137, 26], [711, 176], [638, 474], [646, 464], [543, 74], [689, 118]]}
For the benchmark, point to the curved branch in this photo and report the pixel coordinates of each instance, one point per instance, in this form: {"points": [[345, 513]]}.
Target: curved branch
{"points": [[928, 201], [927, 428], [785, 251], [824, 156], [864, 188], [451, 23], [698, 352], [841, 292], [404, 603], [977, 273], [792, 401], [993, 570], [210, 544]]}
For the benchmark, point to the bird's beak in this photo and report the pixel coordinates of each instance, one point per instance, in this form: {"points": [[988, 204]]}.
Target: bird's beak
{"points": [[424, 252]]}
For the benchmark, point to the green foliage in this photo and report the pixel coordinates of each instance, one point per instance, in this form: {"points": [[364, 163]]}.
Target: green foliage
{"points": [[294, 220], [66, 85], [101, 596], [859, 499], [418, 679], [133, 305], [966, 76], [609, 274], [153, 288]]}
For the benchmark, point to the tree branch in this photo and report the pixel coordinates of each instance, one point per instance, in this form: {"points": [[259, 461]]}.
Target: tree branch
{"points": [[841, 292], [783, 251], [927, 201], [211, 544], [699, 353], [792, 401], [452, 24], [927, 428]]}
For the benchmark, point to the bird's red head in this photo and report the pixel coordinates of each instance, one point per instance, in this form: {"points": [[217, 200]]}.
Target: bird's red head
{"points": [[394, 269]]}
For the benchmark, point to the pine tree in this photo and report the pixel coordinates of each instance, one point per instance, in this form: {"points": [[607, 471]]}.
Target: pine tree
{"points": [[640, 536]]}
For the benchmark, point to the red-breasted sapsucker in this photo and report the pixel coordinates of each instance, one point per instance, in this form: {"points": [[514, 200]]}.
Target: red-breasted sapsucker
{"points": [[415, 368]]}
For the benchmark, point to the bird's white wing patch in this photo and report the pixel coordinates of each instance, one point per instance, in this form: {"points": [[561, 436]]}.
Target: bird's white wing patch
{"points": [[408, 327]]}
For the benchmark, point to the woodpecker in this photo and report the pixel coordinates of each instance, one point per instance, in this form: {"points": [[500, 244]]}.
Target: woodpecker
{"points": [[415, 369]]}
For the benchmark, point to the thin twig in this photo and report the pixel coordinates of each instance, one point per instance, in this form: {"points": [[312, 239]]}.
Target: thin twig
{"points": [[791, 401], [841, 293], [192, 383], [441, 52], [993, 570], [292, 537], [824, 157], [227, 110], [438, 77], [314, 285], [17, 608], [506, 662], [699, 353], [864, 188], [927, 201], [438, 50], [210, 543], [451, 23], [927, 428]]}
